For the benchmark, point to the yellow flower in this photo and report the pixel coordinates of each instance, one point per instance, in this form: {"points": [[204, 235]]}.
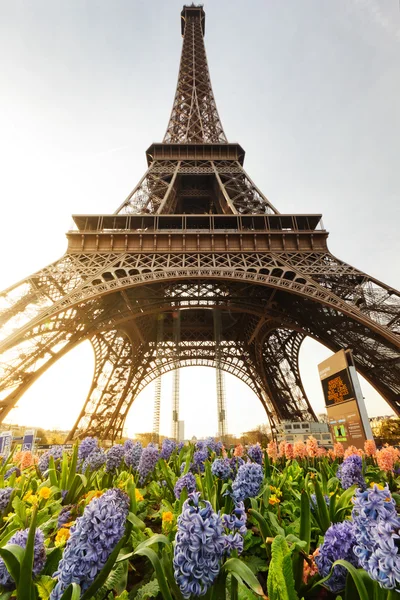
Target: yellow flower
{"points": [[27, 495], [45, 492], [276, 491], [138, 496], [167, 517], [378, 485], [69, 524], [62, 536], [32, 499], [92, 494], [273, 499]]}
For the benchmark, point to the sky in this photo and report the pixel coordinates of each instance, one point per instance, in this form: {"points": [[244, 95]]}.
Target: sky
{"points": [[310, 89]]}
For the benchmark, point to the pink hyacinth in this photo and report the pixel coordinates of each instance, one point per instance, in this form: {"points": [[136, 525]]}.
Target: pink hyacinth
{"points": [[331, 454], [338, 450], [289, 451], [312, 446], [299, 449], [353, 450], [239, 450], [370, 447], [385, 459], [272, 450], [282, 448], [25, 459], [321, 452]]}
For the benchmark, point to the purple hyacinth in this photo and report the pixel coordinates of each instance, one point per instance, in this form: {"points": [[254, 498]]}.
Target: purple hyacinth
{"points": [[186, 481], [5, 495], [132, 454], [39, 555], [95, 460], [12, 470], [235, 523], [338, 544], [350, 472], [168, 446], [128, 445], [148, 461], [377, 528], [92, 540], [86, 447], [56, 452], [248, 481], [199, 547], [255, 453], [180, 446], [221, 468], [114, 458]]}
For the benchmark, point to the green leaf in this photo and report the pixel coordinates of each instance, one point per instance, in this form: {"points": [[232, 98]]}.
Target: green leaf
{"points": [[12, 554], [73, 592], [155, 561], [136, 522], [243, 574], [275, 524], [324, 521], [52, 560], [262, 523], [280, 575], [356, 577], [305, 535], [25, 589], [149, 590], [158, 538], [44, 585]]}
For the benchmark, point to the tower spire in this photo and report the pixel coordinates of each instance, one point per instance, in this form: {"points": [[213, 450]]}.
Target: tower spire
{"points": [[194, 117]]}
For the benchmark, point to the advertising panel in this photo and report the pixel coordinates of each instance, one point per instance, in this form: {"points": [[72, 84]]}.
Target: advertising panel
{"points": [[344, 401], [29, 440], [6, 440]]}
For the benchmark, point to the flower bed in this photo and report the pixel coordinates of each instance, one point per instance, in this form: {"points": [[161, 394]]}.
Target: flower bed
{"points": [[181, 522]]}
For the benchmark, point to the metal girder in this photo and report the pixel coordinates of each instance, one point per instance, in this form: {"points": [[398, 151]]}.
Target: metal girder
{"points": [[194, 115]]}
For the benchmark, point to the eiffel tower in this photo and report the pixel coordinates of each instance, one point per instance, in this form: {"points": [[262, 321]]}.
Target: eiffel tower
{"points": [[197, 241]]}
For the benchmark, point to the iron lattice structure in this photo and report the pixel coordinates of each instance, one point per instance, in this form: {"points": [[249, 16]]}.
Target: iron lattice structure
{"points": [[196, 237]]}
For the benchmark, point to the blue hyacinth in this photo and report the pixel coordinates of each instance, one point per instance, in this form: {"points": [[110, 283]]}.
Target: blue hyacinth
{"points": [[12, 470], [92, 540], [114, 458], [199, 458], [377, 535], [39, 555], [199, 547], [314, 504], [248, 481], [132, 454], [148, 461], [350, 472], [168, 446], [95, 460], [86, 447], [339, 543], [66, 515], [221, 468], [255, 453], [235, 523], [55, 451], [186, 481], [5, 495], [236, 462]]}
